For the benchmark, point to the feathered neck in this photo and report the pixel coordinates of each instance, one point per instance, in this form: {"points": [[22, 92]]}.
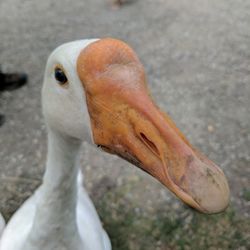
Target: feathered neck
{"points": [[55, 218]]}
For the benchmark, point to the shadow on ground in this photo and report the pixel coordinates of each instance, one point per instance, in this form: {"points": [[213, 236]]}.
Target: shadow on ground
{"points": [[169, 226]]}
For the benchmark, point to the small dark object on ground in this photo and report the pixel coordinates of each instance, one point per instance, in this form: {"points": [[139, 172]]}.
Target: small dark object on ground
{"points": [[2, 119], [9, 82], [119, 3], [12, 81]]}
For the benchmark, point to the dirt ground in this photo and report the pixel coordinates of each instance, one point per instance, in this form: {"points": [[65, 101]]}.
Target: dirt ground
{"points": [[197, 58]]}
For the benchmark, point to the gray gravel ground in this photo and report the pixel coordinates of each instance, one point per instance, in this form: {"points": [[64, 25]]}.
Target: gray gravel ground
{"points": [[197, 57]]}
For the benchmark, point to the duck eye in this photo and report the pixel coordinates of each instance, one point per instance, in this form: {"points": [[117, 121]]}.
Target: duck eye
{"points": [[60, 76]]}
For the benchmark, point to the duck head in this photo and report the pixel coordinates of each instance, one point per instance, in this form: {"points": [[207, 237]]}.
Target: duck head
{"points": [[96, 90]]}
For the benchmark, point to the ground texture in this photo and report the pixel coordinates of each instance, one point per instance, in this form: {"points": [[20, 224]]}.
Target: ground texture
{"points": [[197, 57]]}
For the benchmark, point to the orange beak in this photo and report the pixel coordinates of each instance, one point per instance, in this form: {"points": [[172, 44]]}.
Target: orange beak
{"points": [[125, 121]]}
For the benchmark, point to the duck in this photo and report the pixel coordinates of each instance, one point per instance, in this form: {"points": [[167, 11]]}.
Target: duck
{"points": [[95, 91]]}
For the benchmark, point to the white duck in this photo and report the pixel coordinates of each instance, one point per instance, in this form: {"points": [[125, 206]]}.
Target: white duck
{"points": [[95, 91]]}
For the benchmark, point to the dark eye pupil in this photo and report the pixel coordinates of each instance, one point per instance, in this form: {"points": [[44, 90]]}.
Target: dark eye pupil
{"points": [[60, 76]]}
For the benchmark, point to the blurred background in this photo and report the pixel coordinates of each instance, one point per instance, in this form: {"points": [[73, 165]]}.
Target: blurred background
{"points": [[197, 58]]}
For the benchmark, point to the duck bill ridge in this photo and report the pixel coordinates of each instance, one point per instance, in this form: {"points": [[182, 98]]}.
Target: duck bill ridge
{"points": [[141, 133]]}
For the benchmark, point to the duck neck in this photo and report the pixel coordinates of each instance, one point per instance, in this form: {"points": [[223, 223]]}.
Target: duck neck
{"points": [[56, 203]]}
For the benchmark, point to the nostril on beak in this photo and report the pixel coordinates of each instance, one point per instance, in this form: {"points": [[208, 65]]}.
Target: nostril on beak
{"points": [[149, 144]]}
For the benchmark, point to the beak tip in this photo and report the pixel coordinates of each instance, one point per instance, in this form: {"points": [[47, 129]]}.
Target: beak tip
{"points": [[208, 189], [218, 199]]}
